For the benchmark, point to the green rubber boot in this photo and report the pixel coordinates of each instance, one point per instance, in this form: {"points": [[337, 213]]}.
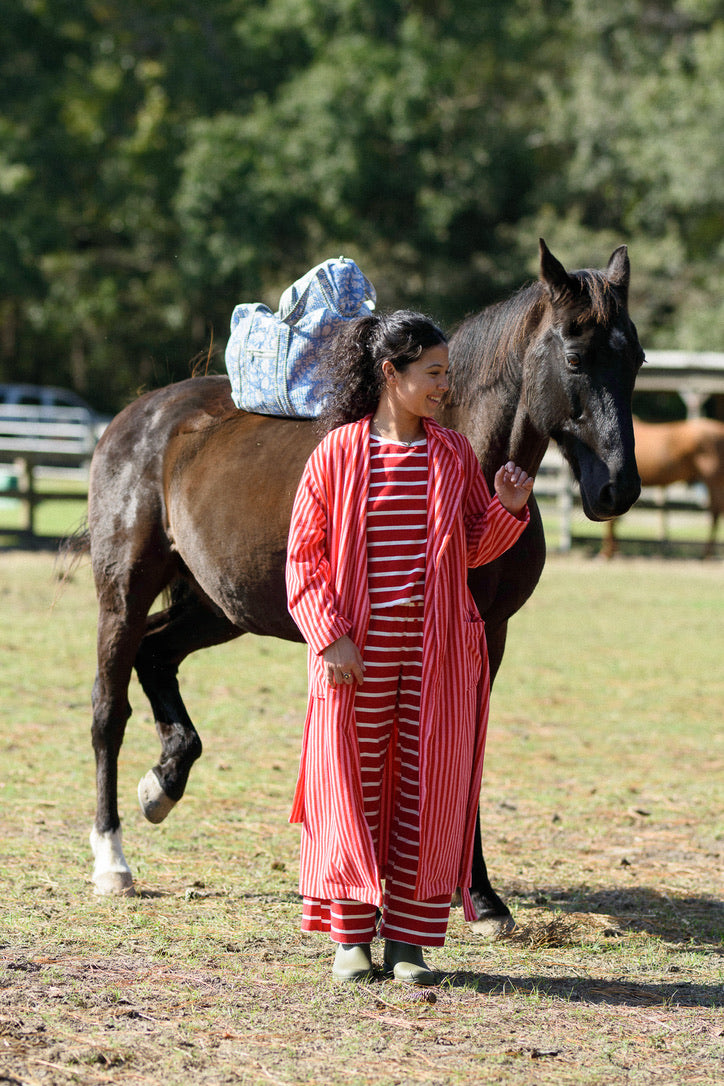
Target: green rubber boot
{"points": [[405, 963], [352, 962]]}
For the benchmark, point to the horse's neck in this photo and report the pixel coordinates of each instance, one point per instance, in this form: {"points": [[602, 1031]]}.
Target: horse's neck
{"points": [[499, 429], [495, 418], [527, 442]]}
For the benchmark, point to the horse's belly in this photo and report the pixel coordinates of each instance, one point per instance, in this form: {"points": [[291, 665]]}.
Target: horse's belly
{"points": [[228, 506]]}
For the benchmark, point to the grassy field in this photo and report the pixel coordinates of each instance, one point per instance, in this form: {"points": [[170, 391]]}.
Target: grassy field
{"points": [[604, 831]]}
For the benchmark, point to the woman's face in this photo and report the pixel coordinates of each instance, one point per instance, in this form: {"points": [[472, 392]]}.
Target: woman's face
{"points": [[420, 388]]}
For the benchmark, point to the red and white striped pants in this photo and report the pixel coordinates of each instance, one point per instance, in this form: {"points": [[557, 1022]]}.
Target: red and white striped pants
{"points": [[387, 712]]}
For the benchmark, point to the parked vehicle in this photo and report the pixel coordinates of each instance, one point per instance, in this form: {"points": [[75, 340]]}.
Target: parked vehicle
{"points": [[46, 403]]}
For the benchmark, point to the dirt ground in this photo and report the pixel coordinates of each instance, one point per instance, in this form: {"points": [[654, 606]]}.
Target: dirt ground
{"points": [[212, 985], [603, 832]]}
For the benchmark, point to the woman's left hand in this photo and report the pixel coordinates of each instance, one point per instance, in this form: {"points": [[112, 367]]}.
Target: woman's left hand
{"points": [[513, 487], [343, 663]]}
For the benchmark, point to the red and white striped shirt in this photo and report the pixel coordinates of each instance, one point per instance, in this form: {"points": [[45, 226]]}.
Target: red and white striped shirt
{"points": [[396, 522]]}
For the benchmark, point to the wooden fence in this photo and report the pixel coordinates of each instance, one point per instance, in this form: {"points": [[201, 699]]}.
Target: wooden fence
{"points": [[33, 438]]}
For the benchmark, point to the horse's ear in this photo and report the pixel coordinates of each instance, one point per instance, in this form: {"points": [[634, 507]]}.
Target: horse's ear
{"points": [[553, 274], [618, 271]]}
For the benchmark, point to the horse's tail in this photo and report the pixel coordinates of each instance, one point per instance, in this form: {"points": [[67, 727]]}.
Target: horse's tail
{"points": [[77, 544], [176, 594], [72, 550]]}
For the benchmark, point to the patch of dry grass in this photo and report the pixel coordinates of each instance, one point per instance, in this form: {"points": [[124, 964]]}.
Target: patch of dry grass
{"points": [[602, 830]]}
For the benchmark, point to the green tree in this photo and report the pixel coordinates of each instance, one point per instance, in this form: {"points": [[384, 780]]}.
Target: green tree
{"points": [[634, 118], [161, 160], [396, 142], [95, 98]]}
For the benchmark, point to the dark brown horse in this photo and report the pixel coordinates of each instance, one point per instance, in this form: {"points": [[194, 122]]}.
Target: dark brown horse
{"points": [[188, 494], [690, 451]]}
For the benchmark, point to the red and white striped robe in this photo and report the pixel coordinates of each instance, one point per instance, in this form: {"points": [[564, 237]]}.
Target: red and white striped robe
{"points": [[327, 592]]}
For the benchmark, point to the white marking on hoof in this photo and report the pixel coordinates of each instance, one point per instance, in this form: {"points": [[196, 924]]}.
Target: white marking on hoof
{"points": [[493, 927], [111, 874], [155, 804]]}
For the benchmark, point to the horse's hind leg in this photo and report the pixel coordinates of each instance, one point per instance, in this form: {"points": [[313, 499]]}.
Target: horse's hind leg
{"points": [[120, 628], [188, 624]]}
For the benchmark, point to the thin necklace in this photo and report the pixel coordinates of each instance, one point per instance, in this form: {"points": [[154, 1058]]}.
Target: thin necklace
{"points": [[395, 440]]}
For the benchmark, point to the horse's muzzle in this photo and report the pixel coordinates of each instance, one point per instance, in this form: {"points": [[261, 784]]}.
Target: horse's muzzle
{"points": [[614, 499], [607, 490]]}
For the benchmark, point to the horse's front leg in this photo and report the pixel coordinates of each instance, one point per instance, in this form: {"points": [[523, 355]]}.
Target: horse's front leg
{"points": [[493, 915]]}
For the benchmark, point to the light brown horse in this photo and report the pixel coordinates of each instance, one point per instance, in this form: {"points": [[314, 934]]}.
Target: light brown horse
{"points": [[691, 451], [192, 497]]}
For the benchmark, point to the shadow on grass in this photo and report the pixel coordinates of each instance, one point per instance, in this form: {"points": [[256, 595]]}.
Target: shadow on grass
{"points": [[663, 549], [691, 919], [591, 990], [17, 539]]}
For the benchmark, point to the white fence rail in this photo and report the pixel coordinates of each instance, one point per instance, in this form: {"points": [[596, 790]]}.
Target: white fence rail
{"points": [[694, 375], [46, 434], [34, 438]]}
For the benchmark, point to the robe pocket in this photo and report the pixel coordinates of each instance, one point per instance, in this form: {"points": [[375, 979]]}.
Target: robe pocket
{"points": [[474, 632], [322, 691], [320, 687]]}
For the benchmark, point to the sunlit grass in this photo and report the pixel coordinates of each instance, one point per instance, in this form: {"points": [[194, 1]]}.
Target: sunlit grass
{"points": [[602, 829]]}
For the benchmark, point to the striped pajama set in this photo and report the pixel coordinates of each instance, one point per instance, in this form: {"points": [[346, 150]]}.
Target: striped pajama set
{"points": [[390, 770], [387, 705]]}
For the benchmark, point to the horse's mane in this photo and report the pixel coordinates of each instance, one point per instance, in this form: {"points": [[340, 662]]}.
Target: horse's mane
{"points": [[486, 348]]}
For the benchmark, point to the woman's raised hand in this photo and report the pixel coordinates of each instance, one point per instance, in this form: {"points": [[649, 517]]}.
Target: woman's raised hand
{"points": [[513, 487]]}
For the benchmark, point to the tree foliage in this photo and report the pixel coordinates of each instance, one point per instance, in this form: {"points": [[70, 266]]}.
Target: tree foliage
{"points": [[161, 160]]}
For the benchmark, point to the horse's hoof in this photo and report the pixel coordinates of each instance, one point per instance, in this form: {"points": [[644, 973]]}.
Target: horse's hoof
{"points": [[493, 927], [114, 884], [112, 876], [155, 804]]}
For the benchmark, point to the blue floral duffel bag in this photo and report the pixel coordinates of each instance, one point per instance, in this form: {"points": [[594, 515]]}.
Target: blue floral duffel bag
{"points": [[271, 357]]}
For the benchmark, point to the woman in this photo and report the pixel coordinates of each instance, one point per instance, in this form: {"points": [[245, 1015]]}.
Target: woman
{"points": [[391, 511]]}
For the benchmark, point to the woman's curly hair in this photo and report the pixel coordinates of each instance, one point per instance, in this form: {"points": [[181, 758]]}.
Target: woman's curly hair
{"points": [[351, 368]]}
